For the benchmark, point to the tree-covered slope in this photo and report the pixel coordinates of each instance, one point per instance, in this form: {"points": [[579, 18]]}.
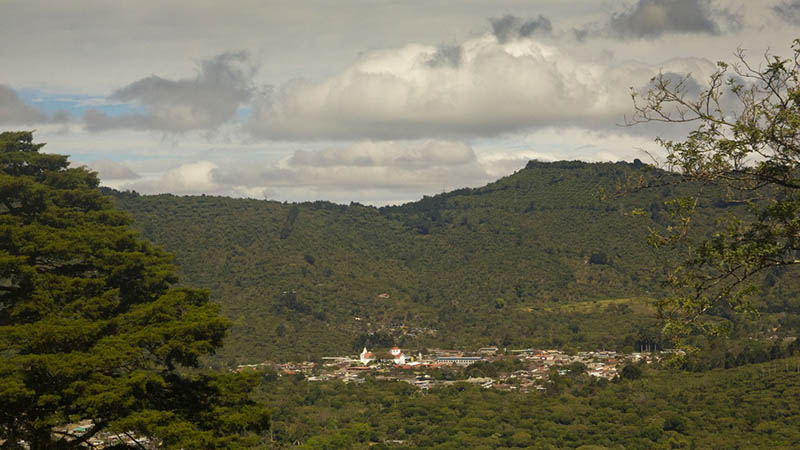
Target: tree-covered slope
{"points": [[755, 406], [501, 264]]}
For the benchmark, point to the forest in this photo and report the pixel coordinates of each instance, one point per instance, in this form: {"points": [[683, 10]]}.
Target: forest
{"points": [[550, 256], [101, 328], [748, 407]]}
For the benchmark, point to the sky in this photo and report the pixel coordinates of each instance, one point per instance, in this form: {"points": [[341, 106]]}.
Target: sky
{"points": [[370, 101]]}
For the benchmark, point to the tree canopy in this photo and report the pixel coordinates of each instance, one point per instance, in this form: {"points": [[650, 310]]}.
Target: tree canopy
{"points": [[747, 142], [571, 268], [90, 325]]}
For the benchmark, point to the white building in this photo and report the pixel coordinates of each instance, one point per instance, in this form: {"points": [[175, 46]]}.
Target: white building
{"points": [[399, 357], [458, 360], [366, 357]]}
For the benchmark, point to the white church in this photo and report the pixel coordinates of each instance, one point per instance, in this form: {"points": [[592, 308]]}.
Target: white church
{"points": [[366, 357], [398, 357]]}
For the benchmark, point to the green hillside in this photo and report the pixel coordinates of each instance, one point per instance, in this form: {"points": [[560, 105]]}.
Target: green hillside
{"points": [[507, 264]]}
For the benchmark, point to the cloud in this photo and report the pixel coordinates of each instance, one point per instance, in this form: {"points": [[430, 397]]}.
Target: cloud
{"points": [[788, 10], [381, 172], [14, 111], [387, 154], [502, 163], [652, 18], [446, 55], [371, 172], [372, 165], [204, 102], [189, 178], [510, 27], [489, 89], [110, 170]]}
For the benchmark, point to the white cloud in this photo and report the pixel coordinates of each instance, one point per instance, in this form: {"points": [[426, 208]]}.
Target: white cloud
{"points": [[502, 157], [189, 178], [495, 88], [409, 166], [396, 100], [368, 172]]}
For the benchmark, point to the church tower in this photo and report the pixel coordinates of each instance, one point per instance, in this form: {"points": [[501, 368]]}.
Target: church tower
{"points": [[399, 357], [366, 357]]}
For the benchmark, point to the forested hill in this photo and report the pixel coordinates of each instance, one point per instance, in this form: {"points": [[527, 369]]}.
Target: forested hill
{"points": [[542, 257]]}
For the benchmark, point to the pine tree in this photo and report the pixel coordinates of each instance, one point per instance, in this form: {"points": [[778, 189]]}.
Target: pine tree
{"points": [[91, 327]]}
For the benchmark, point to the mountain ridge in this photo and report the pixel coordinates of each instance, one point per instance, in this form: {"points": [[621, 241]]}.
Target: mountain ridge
{"points": [[493, 265]]}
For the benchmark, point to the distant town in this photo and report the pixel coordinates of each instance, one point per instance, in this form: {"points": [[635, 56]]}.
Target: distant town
{"points": [[526, 370], [532, 370]]}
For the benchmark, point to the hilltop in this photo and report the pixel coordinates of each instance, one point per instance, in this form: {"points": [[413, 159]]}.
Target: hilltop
{"points": [[548, 256]]}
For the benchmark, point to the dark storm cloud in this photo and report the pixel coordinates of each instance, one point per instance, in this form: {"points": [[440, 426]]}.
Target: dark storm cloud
{"points": [[509, 27], [204, 102], [14, 111], [788, 11], [652, 18]]}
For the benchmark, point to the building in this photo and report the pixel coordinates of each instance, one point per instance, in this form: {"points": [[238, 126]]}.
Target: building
{"points": [[458, 360], [366, 357], [398, 357]]}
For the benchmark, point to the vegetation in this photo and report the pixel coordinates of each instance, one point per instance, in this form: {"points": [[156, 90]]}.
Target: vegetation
{"points": [[93, 324], [546, 257], [747, 142], [90, 327], [749, 407], [95, 328]]}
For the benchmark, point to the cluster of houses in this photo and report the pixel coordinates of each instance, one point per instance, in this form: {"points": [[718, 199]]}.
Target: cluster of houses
{"points": [[397, 364]]}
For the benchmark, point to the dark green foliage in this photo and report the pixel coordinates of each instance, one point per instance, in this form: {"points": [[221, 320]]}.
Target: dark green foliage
{"points": [[599, 258], [90, 327], [492, 369], [632, 372], [675, 422], [288, 226]]}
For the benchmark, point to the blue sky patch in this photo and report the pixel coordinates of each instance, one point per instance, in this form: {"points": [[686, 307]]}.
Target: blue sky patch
{"points": [[75, 104]]}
